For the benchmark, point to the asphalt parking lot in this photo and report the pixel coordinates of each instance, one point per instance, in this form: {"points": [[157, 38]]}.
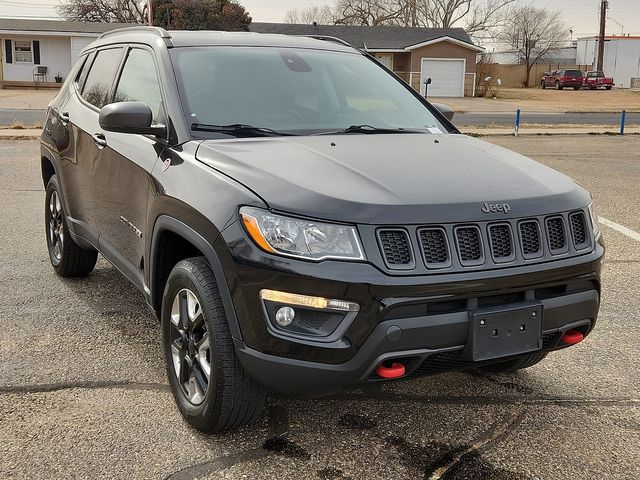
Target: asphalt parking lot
{"points": [[83, 391]]}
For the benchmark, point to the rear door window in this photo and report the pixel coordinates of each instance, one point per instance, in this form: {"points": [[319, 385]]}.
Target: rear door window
{"points": [[97, 86], [139, 82]]}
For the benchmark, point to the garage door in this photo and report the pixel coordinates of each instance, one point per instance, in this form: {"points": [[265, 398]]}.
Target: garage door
{"points": [[447, 77]]}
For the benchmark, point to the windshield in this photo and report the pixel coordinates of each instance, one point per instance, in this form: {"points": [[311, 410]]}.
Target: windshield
{"points": [[293, 91]]}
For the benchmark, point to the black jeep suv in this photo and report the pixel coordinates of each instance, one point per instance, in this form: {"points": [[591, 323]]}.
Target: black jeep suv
{"points": [[302, 221]]}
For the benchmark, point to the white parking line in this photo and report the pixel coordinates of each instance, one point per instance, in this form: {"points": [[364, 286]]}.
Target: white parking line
{"points": [[620, 228]]}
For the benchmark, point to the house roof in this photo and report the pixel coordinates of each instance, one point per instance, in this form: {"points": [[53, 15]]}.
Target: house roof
{"points": [[56, 26], [374, 38]]}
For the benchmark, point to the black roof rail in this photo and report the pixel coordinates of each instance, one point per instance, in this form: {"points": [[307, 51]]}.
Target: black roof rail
{"points": [[161, 32], [328, 38]]}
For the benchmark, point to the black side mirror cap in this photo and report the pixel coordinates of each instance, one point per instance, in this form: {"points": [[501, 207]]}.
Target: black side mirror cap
{"points": [[129, 117], [446, 111]]}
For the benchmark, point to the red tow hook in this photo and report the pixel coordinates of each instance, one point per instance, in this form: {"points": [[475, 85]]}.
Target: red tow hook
{"points": [[571, 337], [396, 370]]}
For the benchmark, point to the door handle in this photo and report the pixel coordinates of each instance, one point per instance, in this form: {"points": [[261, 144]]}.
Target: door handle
{"points": [[64, 117], [99, 140]]}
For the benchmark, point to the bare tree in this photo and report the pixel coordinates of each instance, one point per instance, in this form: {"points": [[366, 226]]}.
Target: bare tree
{"points": [[475, 16], [322, 15], [534, 34], [370, 12], [107, 11]]}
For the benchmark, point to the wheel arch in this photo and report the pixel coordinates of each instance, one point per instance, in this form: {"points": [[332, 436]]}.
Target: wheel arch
{"points": [[47, 169], [187, 242]]}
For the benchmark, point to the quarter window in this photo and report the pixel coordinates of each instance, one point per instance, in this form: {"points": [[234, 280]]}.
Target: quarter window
{"points": [[23, 51], [100, 77], [139, 82]]}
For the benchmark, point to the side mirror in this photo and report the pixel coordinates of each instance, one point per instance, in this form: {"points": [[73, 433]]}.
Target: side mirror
{"points": [[446, 111], [129, 117]]}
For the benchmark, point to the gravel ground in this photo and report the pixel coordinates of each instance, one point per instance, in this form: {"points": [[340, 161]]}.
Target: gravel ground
{"points": [[83, 391]]}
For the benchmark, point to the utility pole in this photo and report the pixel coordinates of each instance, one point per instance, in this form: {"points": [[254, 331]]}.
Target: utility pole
{"points": [[149, 13], [604, 5]]}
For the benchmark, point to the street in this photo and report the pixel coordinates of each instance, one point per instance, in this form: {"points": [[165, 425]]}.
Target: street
{"points": [[83, 391]]}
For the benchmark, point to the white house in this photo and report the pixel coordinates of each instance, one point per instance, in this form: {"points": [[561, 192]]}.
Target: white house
{"points": [[29, 44], [621, 57]]}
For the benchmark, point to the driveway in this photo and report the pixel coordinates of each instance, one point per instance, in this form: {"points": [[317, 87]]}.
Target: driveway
{"points": [[83, 391]]}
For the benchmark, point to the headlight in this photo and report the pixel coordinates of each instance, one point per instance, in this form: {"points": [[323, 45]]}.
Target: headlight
{"points": [[595, 223], [301, 238]]}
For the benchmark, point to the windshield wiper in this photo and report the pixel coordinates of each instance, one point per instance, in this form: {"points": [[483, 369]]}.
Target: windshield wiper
{"points": [[368, 129], [237, 129]]}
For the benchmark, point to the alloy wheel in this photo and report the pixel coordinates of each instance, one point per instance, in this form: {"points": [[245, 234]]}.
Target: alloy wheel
{"points": [[190, 347], [56, 226]]}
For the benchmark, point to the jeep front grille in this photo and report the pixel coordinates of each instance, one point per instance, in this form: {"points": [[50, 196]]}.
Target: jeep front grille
{"points": [[490, 244], [469, 244], [579, 230], [396, 248], [555, 233], [530, 239], [501, 242], [435, 249]]}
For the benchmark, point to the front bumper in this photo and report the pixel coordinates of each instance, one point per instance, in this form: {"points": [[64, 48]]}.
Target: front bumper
{"points": [[421, 319]]}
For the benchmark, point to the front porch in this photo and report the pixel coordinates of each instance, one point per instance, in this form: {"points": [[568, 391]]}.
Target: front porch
{"points": [[27, 85]]}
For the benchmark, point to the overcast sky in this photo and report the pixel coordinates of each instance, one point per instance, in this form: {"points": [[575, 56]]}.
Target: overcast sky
{"points": [[581, 15]]}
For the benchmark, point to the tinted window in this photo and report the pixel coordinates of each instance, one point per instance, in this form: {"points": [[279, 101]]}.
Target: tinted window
{"points": [[573, 73], [294, 90], [100, 77], [83, 72], [139, 82]]}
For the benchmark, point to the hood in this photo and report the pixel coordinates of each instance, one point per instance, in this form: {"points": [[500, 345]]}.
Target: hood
{"points": [[392, 179]]}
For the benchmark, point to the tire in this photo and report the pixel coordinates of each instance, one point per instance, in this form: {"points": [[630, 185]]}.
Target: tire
{"points": [[592, 87], [197, 339], [543, 85], [515, 364], [576, 88], [67, 257], [558, 87], [608, 88]]}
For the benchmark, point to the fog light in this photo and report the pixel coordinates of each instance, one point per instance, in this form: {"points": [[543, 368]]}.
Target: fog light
{"points": [[285, 315]]}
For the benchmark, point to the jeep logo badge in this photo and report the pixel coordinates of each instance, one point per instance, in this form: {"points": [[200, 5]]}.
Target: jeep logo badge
{"points": [[496, 207]]}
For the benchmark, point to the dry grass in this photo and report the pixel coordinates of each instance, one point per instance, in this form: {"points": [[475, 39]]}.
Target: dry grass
{"points": [[574, 101], [17, 125]]}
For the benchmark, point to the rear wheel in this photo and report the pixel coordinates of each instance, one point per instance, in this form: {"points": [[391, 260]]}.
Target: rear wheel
{"points": [[212, 390], [67, 257], [514, 364], [558, 86], [608, 87]]}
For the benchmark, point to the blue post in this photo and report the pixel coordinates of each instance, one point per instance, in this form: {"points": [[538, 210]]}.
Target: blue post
{"points": [[622, 119], [517, 127]]}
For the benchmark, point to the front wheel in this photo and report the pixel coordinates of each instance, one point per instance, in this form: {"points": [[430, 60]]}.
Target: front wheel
{"points": [[209, 385], [515, 364], [544, 85], [608, 88], [67, 257], [558, 86]]}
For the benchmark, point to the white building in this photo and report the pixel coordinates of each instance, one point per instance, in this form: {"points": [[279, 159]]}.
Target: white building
{"points": [[621, 57], [26, 45]]}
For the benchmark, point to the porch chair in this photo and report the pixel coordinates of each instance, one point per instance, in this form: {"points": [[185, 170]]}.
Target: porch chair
{"points": [[40, 72]]}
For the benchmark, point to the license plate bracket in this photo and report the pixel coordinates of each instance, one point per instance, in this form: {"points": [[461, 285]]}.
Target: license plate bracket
{"points": [[496, 333]]}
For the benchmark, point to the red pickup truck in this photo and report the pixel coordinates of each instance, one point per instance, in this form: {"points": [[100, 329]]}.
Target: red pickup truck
{"points": [[559, 79], [596, 79]]}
